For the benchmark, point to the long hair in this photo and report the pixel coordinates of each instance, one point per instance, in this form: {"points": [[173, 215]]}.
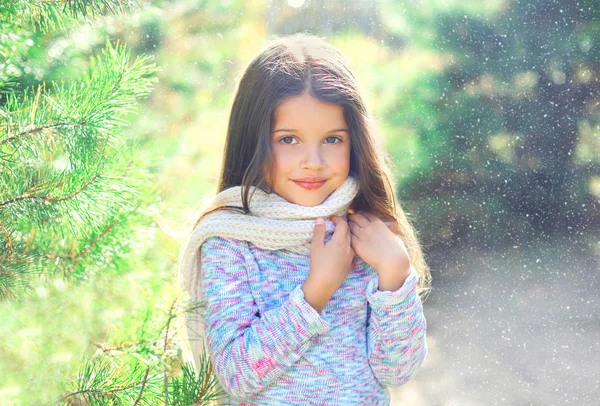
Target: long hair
{"points": [[291, 66]]}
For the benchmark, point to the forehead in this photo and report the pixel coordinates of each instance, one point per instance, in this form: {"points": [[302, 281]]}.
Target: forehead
{"points": [[306, 110]]}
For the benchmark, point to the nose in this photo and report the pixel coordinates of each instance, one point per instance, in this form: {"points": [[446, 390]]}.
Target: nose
{"points": [[313, 158]]}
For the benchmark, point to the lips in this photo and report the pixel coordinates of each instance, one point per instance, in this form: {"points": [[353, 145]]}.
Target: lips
{"points": [[310, 179], [310, 185]]}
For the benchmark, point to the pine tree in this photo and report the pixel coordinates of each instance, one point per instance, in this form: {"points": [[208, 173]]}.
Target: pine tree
{"points": [[73, 193], [69, 184]]}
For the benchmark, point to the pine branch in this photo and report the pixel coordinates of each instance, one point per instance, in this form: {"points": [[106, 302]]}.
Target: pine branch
{"points": [[97, 381], [36, 130], [193, 388], [7, 239], [143, 386], [166, 380], [47, 198], [80, 123], [106, 91], [49, 14], [76, 257], [116, 348]]}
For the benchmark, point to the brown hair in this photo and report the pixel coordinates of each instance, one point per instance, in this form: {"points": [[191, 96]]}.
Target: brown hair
{"points": [[291, 66]]}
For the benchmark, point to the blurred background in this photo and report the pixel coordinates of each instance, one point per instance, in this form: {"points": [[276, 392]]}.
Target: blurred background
{"points": [[490, 112]]}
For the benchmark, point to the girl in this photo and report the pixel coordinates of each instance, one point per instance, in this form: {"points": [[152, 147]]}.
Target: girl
{"points": [[308, 274]]}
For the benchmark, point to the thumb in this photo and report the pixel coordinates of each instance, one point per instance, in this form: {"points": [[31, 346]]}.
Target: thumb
{"points": [[319, 230]]}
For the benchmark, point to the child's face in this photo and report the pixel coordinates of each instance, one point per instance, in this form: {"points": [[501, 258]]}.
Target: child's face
{"points": [[308, 147]]}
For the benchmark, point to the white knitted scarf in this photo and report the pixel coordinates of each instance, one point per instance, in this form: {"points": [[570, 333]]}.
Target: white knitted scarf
{"points": [[273, 223]]}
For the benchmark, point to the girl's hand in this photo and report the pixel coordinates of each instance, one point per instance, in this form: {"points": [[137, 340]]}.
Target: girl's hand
{"points": [[376, 244], [330, 263]]}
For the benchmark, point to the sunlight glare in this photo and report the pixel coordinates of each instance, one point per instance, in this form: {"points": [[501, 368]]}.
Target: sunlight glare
{"points": [[296, 3]]}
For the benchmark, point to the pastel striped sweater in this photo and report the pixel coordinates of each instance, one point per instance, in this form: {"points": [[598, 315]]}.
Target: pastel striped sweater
{"points": [[268, 346]]}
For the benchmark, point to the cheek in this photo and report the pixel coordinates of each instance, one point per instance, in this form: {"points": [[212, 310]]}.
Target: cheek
{"points": [[340, 158], [283, 159], [281, 166]]}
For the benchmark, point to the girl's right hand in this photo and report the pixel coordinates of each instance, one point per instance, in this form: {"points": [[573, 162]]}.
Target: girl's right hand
{"points": [[330, 263]]}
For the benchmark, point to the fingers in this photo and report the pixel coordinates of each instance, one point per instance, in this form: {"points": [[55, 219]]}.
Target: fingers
{"points": [[359, 218], [348, 237], [319, 233], [344, 232], [343, 223], [341, 228], [354, 229], [369, 216]]}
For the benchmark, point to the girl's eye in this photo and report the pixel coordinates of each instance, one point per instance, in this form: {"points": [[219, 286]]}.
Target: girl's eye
{"points": [[284, 139], [338, 138], [289, 136]]}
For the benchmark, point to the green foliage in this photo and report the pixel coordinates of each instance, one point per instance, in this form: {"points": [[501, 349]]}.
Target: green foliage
{"points": [[49, 15], [143, 370], [496, 116], [191, 388], [79, 205], [103, 381], [69, 182]]}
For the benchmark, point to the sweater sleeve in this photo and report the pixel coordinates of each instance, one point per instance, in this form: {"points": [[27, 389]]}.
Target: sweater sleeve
{"points": [[396, 333], [248, 351]]}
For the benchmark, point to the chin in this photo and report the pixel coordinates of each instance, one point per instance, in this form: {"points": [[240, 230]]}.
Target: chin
{"points": [[306, 199], [313, 205], [308, 202]]}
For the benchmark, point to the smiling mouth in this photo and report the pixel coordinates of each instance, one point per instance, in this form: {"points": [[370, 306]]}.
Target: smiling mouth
{"points": [[310, 185]]}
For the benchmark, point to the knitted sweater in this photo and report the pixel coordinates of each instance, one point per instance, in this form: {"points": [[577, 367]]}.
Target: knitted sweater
{"points": [[268, 346]]}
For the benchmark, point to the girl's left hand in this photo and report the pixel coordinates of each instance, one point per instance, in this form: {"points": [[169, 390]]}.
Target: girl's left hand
{"points": [[376, 244]]}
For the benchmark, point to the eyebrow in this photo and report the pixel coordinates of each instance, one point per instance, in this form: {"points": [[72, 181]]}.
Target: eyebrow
{"points": [[292, 130]]}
